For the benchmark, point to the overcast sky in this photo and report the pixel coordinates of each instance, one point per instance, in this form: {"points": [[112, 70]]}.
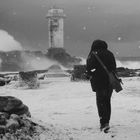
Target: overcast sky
{"points": [[115, 21]]}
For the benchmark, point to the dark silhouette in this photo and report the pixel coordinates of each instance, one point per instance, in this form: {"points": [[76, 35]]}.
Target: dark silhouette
{"points": [[100, 80]]}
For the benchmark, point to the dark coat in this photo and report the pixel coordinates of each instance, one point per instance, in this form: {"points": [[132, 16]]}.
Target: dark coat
{"points": [[99, 78]]}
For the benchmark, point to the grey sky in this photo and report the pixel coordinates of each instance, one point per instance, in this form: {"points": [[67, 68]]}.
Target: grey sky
{"points": [[116, 21]]}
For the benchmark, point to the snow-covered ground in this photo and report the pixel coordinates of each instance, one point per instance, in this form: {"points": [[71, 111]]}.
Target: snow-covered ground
{"points": [[71, 108]]}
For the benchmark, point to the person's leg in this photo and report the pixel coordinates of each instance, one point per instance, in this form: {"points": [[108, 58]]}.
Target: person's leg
{"points": [[107, 105], [99, 103], [100, 106], [103, 99]]}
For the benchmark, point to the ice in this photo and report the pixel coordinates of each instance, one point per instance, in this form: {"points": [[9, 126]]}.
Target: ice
{"points": [[71, 108]]}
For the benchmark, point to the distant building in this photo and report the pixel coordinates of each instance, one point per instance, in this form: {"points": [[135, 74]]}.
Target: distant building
{"points": [[55, 18]]}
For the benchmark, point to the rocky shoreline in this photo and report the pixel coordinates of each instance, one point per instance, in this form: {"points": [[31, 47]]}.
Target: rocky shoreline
{"points": [[16, 122]]}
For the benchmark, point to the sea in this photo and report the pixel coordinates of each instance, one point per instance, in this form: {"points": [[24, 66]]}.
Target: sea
{"points": [[128, 62]]}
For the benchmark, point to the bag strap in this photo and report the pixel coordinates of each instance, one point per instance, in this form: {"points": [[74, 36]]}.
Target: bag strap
{"points": [[100, 61], [105, 68]]}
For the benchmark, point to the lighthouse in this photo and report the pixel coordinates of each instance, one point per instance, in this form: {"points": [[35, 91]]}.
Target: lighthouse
{"points": [[55, 18]]}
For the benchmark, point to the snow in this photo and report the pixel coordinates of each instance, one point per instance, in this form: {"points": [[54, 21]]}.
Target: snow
{"points": [[71, 108]]}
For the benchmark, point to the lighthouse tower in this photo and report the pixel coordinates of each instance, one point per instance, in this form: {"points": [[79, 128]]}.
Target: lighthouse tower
{"points": [[55, 18]]}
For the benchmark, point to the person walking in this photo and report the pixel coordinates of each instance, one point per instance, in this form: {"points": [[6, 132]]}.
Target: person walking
{"points": [[100, 81]]}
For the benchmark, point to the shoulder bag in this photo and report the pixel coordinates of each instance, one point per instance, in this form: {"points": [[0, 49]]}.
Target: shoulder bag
{"points": [[114, 81]]}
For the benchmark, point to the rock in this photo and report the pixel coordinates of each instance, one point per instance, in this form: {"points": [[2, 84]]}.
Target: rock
{"points": [[2, 129], [61, 56], [21, 110], [3, 118], [20, 127], [79, 73], [12, 125], [12, 105], [25, 122], [15, 117], [4, 81], [29, 79]]}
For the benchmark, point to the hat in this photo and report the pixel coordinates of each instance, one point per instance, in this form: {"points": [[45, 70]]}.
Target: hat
{"points": [[99, 45]]}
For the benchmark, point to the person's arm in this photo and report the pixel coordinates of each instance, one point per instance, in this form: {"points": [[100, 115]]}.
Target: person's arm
{"points": [[90, 64], [112, 63]]}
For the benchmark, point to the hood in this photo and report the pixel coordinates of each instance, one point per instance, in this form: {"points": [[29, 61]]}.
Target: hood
{"points": [[99, 45]]}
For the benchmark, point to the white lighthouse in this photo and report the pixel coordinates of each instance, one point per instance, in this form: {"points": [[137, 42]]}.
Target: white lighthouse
{"points": [[55, 18]]}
